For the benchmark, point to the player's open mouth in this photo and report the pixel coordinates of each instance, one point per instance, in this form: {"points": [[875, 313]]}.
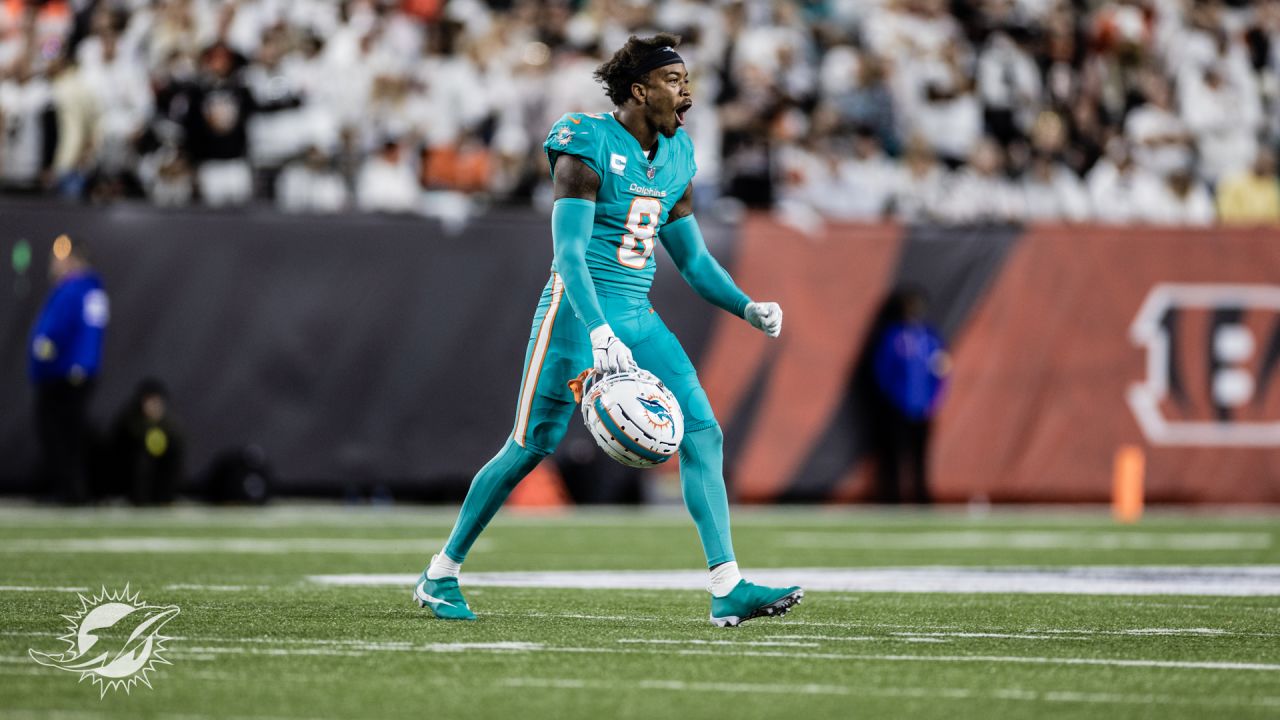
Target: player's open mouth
{"points": [[680, 113]]}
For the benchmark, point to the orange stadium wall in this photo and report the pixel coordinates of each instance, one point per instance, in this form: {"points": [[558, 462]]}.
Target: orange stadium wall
{"points": [[1055, 372], [359, 350], [1068, 343]]}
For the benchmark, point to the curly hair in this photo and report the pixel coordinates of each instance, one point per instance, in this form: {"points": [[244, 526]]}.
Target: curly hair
{"points": [[619, 72]]}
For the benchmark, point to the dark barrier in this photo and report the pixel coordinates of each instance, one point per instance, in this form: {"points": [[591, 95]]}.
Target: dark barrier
{"points": [[350, 348], [357, 349]]}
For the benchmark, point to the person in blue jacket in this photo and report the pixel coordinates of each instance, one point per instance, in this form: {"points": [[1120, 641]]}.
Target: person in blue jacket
{"points": [[65, 355], [910, 365]]}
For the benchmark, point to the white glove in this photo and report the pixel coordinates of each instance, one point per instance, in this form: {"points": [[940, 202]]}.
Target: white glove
{"points": [[766, 317], [610, 354]]}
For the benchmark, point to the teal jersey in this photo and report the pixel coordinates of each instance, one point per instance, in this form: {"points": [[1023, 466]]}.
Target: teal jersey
{"points": [[634, 199]]}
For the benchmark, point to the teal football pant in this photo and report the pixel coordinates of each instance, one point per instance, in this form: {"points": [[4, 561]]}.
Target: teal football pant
{"points": [[560, 349]]}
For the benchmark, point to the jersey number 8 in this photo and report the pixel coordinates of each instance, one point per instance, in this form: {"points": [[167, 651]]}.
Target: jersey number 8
{"points": [[642, 223]]}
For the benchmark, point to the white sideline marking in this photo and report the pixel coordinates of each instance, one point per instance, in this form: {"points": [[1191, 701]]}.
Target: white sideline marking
{"points": [[829, 638], [39, 588], [1059, 696], [356, 649], [359, 649], [577, 616], [1179, 606], [740, 643], [252, 546], [575, 684], [56, 714], [1029, 540], [1159, 631], [1002, 636], [1229, 580], [21, 671], [216, 588], [1014, 659]]}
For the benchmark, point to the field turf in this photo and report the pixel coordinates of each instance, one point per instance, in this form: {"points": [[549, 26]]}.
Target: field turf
{"points": [[260, 635]]}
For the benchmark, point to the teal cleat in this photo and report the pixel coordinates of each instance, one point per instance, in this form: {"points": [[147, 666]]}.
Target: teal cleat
{"points": [[747, 601], [442, 597]]}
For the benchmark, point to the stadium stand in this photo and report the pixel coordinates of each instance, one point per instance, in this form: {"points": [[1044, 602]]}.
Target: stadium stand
{"points": [[1125, 111]]}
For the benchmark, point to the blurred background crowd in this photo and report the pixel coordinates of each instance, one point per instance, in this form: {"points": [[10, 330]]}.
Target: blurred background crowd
{"points": [[1108, 111]]}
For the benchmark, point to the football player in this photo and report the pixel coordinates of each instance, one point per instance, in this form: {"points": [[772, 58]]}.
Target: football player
{"points": [[622, 182]]}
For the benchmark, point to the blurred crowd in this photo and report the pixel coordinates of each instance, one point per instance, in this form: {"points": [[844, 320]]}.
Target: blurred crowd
{"points": [[1110, 111]]}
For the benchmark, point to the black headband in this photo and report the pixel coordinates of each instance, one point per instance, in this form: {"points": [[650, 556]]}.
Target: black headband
{"points": [[657, 58]]}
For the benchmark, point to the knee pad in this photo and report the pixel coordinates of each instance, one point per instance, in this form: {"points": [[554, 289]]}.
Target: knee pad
{"points": [[707, 439], [697, 411]]}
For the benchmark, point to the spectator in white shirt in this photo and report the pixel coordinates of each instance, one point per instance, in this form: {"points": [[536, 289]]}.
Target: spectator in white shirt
{"points": [[1009, 85], [1177, 199], [864, 183], [939, 104], [867, 101], [385, 182], [125, 102], [24, 98], [171, 181], [1221, 106], [1111, 185], [1053, 193], [919, 191], [981, 193], [311, 184], [1161, 140], [275, 137]]}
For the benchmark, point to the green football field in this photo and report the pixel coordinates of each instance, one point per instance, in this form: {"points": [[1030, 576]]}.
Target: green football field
{"points": [[305, 611]]}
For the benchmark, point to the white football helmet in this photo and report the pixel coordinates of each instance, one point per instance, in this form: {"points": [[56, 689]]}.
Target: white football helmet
{"points": [[633, 417]]}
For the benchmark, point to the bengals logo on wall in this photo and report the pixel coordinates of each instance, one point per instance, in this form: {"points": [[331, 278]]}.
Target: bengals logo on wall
{"points": [[1213, 354]]}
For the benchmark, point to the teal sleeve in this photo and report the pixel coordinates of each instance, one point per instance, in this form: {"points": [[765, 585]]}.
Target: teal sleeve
{"points": [[683, 241], [571, 223]]}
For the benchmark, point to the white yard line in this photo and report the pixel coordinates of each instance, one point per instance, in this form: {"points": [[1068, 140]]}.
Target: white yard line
{"points": [[1011, 694], [1207, 580], [533, 647], [680, 685], [217, 588], [1177, 606], [1014, 659], [577, 616], [994, 635], [1184, 632], [16, 659], [357, 649], [830, 638], [198, 545], [1031, 540], [702, 648], [173, 586], [736, 643]]}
